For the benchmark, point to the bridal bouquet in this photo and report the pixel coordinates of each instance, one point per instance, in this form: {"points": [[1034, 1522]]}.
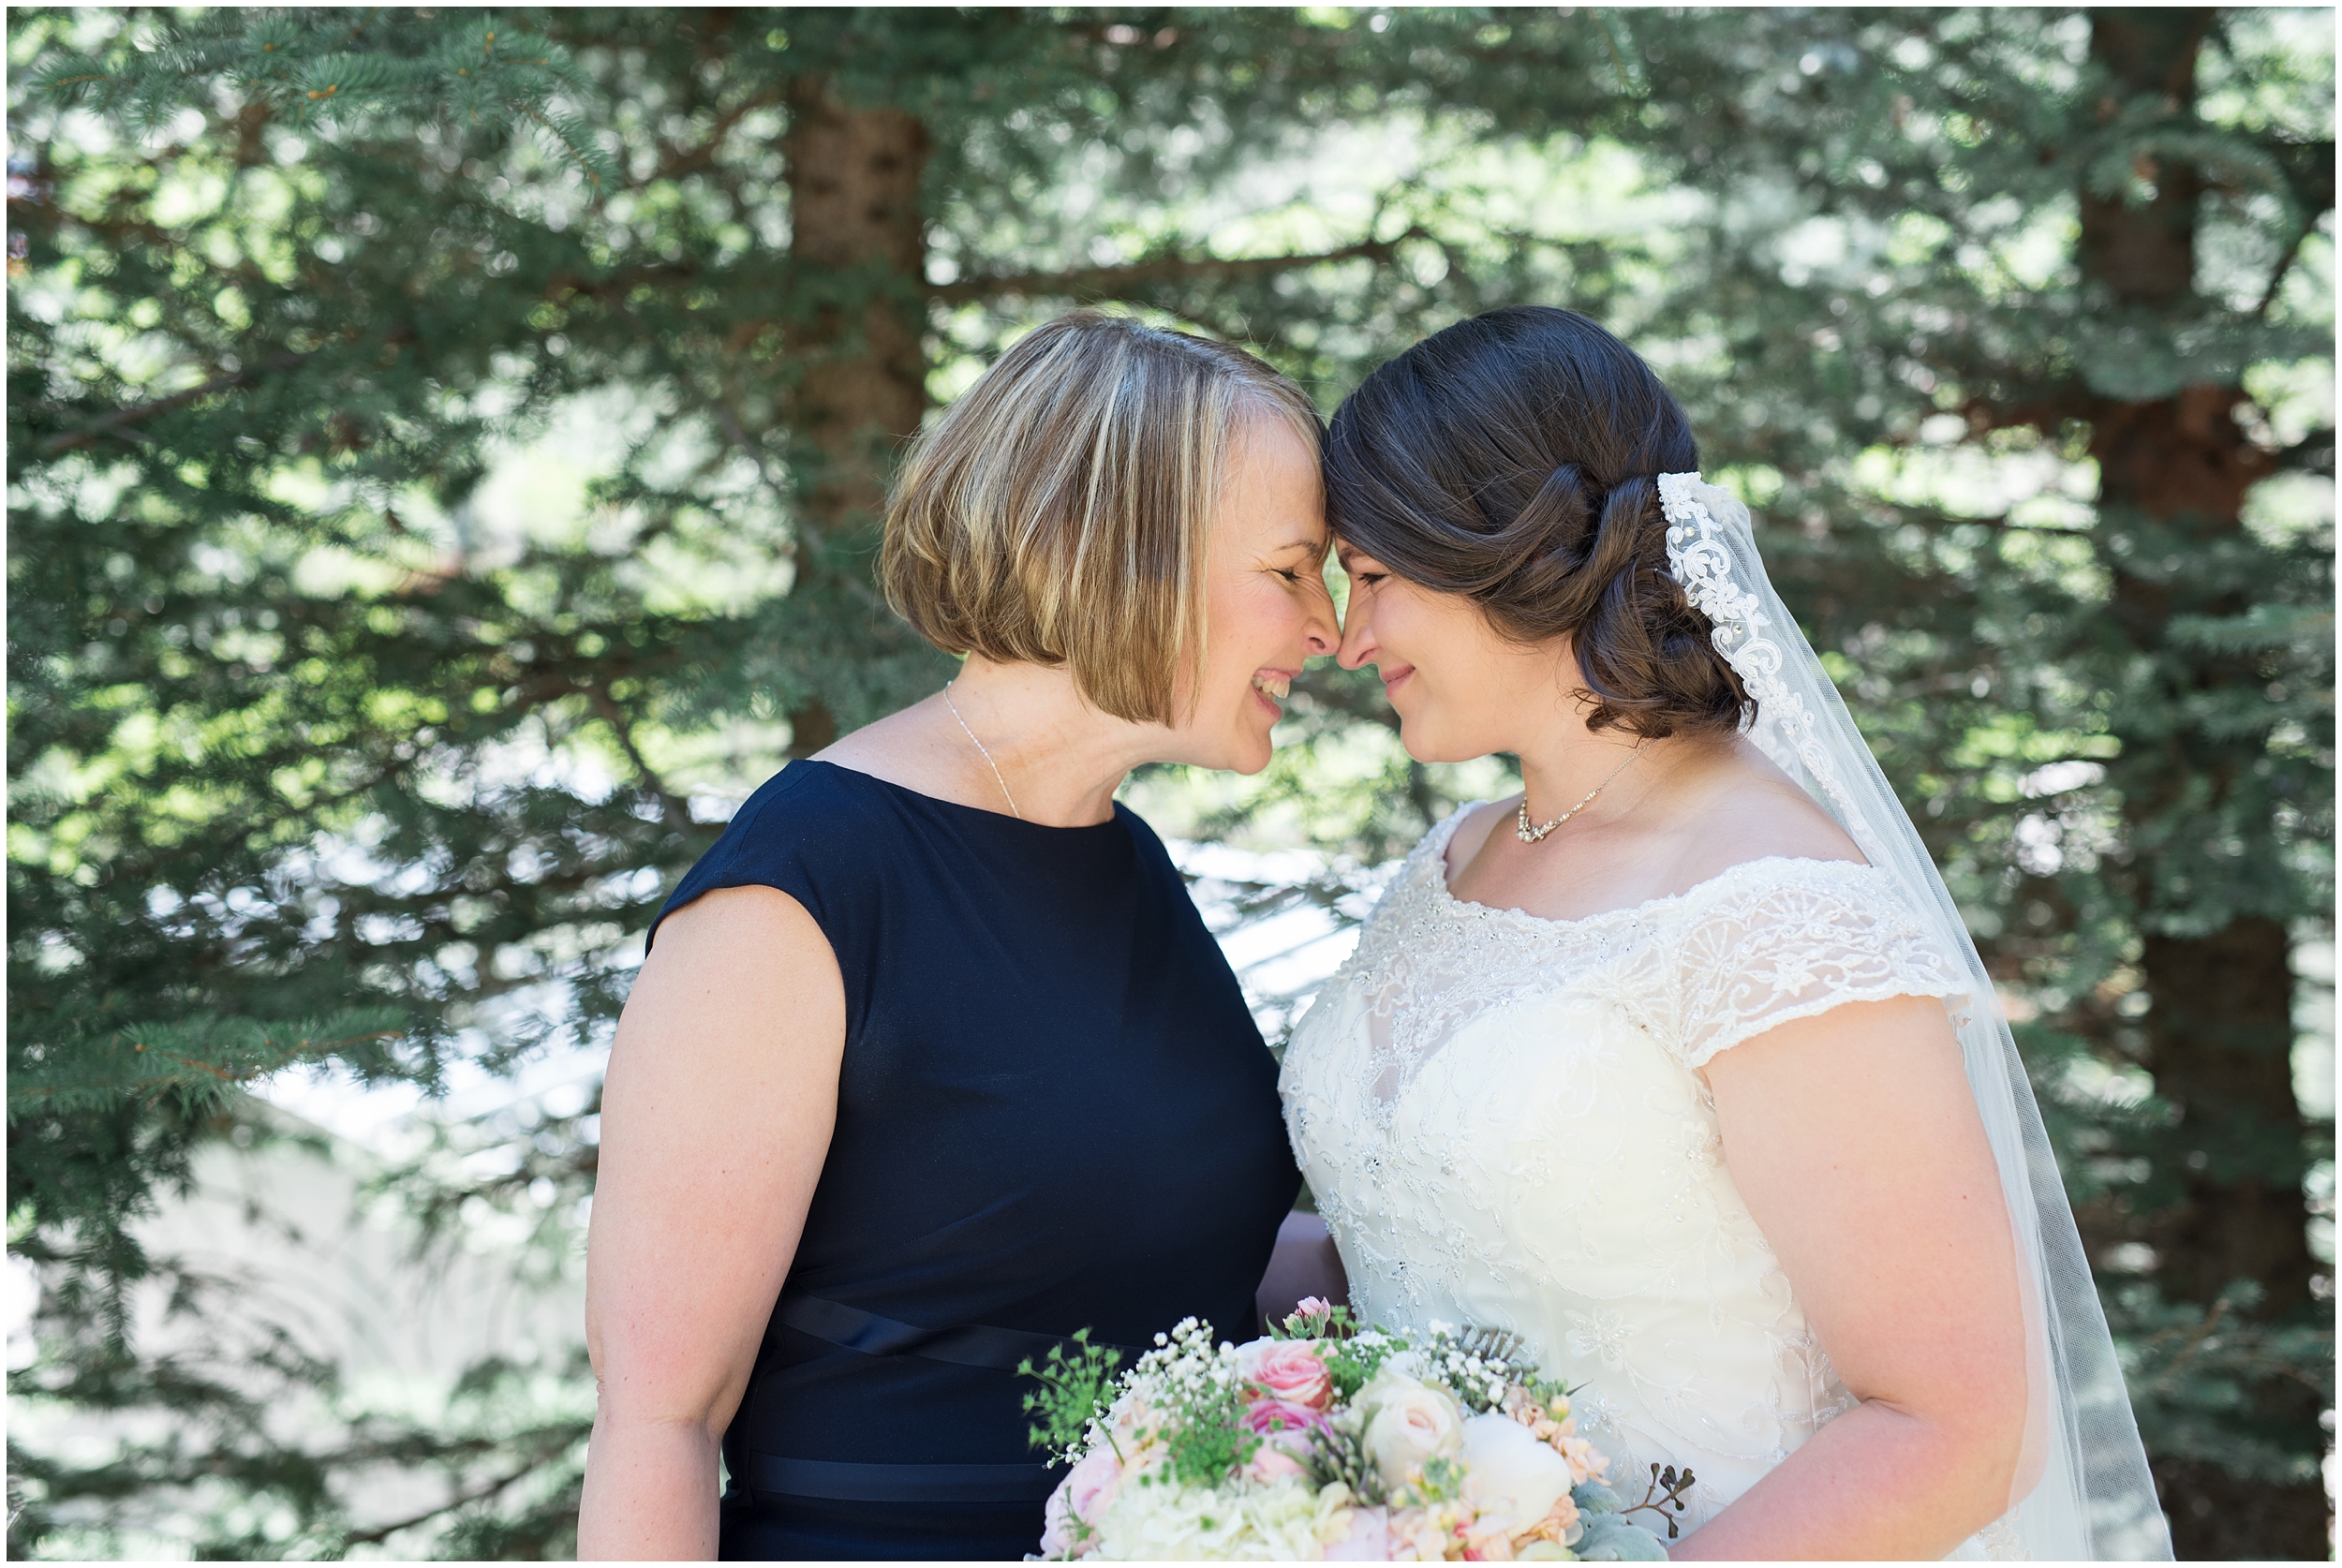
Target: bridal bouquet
{"points": [[1326, 1442]]}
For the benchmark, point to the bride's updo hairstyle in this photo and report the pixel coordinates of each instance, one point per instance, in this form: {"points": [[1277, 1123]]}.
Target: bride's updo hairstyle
{"points": [[1514, 458]]}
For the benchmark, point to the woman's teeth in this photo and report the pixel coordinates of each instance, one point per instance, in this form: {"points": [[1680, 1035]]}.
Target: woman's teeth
{"points": [[1273, 686]]}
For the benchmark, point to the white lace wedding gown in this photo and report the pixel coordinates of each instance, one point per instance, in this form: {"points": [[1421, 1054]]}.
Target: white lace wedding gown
{"points": [[1504, 1124]]}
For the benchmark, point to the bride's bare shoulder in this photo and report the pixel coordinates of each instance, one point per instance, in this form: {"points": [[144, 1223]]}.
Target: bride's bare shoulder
{"points": [[1474, 829], [1749, 809]]}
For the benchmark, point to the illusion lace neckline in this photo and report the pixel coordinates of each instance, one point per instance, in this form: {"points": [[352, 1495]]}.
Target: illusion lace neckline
{"points": [[1435, 849]]}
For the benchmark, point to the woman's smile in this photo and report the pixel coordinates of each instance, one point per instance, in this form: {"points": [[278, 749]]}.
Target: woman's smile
{"points": [[1271, 686]]}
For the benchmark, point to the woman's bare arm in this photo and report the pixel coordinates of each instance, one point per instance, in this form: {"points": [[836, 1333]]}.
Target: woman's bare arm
{"points": [[716, 1117], [1855, 1140], [1304, 1264]]}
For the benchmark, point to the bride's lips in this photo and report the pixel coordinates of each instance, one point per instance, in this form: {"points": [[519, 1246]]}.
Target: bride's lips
{"points": [[1392, 678]]}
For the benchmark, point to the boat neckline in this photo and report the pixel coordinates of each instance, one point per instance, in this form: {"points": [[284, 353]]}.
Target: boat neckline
{"points": [[1447, 897], [922, 796]]}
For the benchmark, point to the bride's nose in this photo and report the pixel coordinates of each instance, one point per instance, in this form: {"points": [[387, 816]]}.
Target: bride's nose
{"points": [[1357, 641]]}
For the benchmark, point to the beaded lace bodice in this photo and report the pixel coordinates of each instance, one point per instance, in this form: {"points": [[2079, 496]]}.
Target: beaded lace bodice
{"points": [[1503, 1122]]}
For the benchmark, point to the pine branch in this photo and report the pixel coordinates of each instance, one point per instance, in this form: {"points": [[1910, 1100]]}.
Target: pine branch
{"points": [[2278, 273], [121, 419], [809, 536], [1998, 523], [1095, 282], [680, 161], [531, 1464], [211, 1058], [2309, 171], [2051, 405], [677, 814]]}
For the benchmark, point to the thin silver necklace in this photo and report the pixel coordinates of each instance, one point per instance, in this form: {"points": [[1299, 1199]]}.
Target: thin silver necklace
{"points": [[995, 766], [1528, 835]]}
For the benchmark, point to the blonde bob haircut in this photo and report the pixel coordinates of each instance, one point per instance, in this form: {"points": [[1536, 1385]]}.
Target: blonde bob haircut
{"points": [[1059, 513]]}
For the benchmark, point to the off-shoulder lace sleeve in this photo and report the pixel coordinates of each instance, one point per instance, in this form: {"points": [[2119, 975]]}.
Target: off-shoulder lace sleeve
{"points": [[1782, 940]]}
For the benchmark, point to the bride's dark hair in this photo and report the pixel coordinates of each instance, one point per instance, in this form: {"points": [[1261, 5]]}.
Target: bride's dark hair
{"points": [[1514, 458]]}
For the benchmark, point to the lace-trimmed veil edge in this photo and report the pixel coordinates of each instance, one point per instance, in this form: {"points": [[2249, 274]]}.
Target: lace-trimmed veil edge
{"points": [[2095, 1498]]}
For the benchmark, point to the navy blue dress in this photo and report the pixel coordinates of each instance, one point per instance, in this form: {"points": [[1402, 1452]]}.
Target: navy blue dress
{"points": [[1053, 1112]]}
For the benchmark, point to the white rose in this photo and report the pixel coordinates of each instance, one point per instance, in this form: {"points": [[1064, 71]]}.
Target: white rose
{"points": [[1511, 1480], [1407, 1422]]}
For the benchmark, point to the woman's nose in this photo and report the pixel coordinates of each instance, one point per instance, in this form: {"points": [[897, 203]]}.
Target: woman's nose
{"points": [[1323, 634], [1357, 638]]}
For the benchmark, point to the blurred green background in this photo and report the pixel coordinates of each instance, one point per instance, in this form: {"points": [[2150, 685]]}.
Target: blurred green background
{"points": [[442, 452]]}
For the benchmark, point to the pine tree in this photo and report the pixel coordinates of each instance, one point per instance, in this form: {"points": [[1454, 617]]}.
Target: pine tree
{"points": [[307, 767]]}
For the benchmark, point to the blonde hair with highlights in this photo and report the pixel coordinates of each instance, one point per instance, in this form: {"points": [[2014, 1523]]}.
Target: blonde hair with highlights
{"points": [[1059, 513]]}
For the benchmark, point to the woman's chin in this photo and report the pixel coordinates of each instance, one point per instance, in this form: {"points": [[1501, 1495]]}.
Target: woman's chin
{"points": [[1426, 746], [1250, 756], [1244, 748]]}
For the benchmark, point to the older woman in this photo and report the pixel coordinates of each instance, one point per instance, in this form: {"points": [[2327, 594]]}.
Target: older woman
{"points": [[933, 1063]]}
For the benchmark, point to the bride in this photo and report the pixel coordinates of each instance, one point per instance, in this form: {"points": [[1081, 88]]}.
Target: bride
{"points": [[1681, 1065]]}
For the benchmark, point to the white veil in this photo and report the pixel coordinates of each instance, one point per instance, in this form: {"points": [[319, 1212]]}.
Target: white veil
{"points": [[2095, 1499]]}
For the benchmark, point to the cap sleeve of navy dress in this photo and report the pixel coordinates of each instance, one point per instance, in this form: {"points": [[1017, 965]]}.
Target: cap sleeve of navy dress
{"points": [[1053, 1112]]}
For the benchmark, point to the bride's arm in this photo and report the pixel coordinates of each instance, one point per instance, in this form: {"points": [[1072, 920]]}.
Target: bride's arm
{"points": [[1854, 1139], [716, 1116]]}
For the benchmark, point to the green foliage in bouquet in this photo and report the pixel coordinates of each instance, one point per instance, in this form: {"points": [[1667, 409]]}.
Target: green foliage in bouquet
{"points": [[1609, 1534], [1348, 1361], [1073, 1388], [1437, 1480], [1206, 1443]]}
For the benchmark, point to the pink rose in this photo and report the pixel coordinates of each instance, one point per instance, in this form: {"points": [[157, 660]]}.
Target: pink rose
{"points": [[1288, 1435], [1310, 1317], [1272, 1463], [1290, 1373], [1082, 1497], [1293, 1426]]}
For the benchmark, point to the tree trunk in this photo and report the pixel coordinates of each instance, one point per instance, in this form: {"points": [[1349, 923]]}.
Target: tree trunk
{"points": [[2220, 1026], [2146, 253], [858, 247]]}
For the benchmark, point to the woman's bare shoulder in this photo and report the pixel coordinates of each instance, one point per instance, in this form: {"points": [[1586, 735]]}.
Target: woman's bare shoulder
{"points": [[1474, 829], [1751, 811], [740, 925], [899, 748]]}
